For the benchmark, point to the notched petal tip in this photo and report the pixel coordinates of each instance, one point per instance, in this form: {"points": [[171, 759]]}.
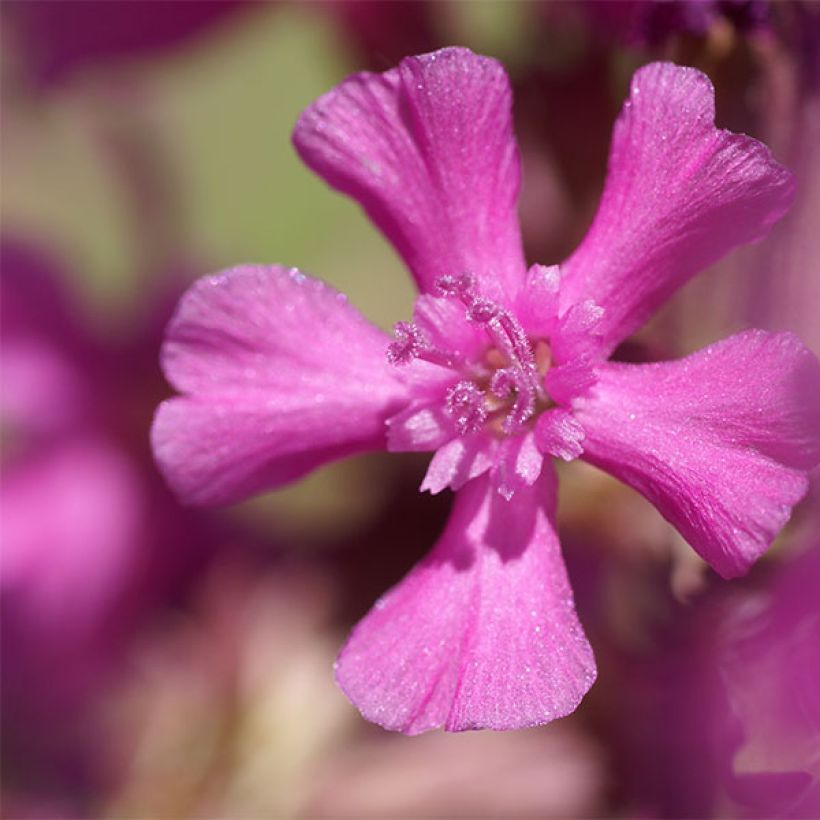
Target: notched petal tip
{"points": [[427, 149], [558, 433], [679, 194]]}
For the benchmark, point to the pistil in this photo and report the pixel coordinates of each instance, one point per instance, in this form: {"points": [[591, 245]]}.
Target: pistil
{"points": [[514, 383]]}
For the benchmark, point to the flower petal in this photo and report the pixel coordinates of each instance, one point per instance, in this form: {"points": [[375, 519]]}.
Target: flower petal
{"points": [[445, 324], [718, 441], [559, 433], [428, 151], [483, 632], [679, 194], [282, 374], [458, 461], [518, 463], [420, 427], [538, 301], [569, 381]]}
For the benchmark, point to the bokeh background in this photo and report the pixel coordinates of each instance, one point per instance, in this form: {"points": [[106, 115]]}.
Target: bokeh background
{"points": [[165, 662]]}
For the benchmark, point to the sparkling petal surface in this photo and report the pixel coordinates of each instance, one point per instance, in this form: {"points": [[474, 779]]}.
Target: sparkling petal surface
{"points": [[560, 434], [679, 194], [420, 427], [459, 461], [518, 464], [481, 634], [428, 151], [280, 374], [718, 441]]}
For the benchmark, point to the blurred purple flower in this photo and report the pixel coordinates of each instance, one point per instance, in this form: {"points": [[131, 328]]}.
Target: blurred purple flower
{"points": [[58, 38], [768, 653], [382, 32], [501, 368], [71, 509], [713, 703], [92, 539], [71, 520], [653, 22]]}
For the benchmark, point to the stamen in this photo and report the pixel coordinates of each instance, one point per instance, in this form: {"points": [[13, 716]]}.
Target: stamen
{"points": [[522, 409], [504, 328], [521, 375], [518, 342], [465, 403], [507, 389], [508, 381], [503, 383]]}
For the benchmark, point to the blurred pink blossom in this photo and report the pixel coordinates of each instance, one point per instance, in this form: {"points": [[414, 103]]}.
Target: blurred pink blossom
{"points": [[57, 38], [501, 368], [652, 22], [768, 654], [382, 32], [71, 503], [92, 541]]}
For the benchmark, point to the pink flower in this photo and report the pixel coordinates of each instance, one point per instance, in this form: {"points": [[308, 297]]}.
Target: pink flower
{"points": [[766, 644], [501, 367], [58, 40]]}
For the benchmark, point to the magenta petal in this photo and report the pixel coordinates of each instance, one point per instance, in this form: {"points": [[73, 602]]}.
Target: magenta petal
{"points": [[281, 375], [577, 337], [568, 381], [428, 150], [445, 325], [718, 441], [538, 301], [481, 634], [679, 194], [420, 428]]}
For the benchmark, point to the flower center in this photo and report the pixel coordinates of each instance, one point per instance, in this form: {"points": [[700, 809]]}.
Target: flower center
{"points": [[503, 391]]}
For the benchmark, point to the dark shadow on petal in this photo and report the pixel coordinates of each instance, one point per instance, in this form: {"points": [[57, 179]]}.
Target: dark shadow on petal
{"points": [[511, 524]]}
